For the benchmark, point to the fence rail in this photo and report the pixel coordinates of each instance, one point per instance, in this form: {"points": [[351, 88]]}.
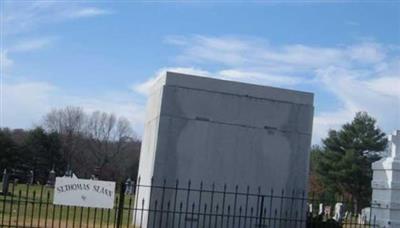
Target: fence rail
{"points": [[174, 205]]}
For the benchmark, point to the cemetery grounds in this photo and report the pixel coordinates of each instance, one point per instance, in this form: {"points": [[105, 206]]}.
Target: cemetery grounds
{"points": [[32, 206]]}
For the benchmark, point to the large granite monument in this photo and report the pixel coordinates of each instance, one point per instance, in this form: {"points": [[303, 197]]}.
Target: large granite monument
{"points": [[219, 131], [386, 186]]}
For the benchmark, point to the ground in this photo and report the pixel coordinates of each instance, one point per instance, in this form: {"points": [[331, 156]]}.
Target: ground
{"points": [[32, 206]]}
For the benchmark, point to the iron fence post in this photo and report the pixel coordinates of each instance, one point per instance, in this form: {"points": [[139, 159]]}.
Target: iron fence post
{"points": [[120, 210], [260, 219]]}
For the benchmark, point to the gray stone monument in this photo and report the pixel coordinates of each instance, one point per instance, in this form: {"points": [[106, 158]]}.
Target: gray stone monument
{"points": [[385, 204], [219, 131]]}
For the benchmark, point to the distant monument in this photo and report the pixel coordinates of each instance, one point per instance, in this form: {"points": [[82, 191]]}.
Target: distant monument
{"points": [[5, 182], [339, 212], [52, 178], [129, 187], [385, 206], [217, 131], [31, 177]]}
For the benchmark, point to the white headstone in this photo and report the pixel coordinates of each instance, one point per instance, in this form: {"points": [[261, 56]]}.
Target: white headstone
{"points": [[385, 204], [321, 209], [364, 217], [339, 212]]}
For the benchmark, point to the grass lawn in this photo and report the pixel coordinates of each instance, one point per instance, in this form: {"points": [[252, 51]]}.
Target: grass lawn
{"points": [[32, 206]]}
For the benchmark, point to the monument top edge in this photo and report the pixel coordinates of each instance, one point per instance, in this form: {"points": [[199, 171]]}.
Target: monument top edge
{"points": [[234, 87]]}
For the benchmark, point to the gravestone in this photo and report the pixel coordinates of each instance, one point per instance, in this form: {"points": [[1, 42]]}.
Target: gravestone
{"points": [[321, 209], [339, 212], [31, 176], [129, 187], [327, 211], [385, 204], [364, 217], [5, 182], [216, 131], [52, 178]]}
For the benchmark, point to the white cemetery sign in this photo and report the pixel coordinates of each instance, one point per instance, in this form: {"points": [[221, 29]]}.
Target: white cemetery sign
{"points": [[84, 193]]}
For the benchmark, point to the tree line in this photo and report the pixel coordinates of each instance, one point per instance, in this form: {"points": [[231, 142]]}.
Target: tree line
{"points": [[105, 146], [70, 140]]}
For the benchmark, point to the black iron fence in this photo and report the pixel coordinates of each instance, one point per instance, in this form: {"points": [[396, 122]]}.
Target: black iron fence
{"points": [[183, 205]]}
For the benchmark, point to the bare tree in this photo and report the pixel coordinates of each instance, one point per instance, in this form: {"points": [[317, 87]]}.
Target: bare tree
{"points": [[97, 142], [108, 138], [69, 122]]}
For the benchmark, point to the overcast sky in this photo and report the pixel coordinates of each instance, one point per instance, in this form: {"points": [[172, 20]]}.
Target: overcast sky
{"points": [[103, 55]]}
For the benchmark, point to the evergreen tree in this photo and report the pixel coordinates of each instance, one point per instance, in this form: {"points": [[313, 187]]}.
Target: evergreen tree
{"points": [[316, 187], [43, 153], [344, 165], [8, 151]]}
